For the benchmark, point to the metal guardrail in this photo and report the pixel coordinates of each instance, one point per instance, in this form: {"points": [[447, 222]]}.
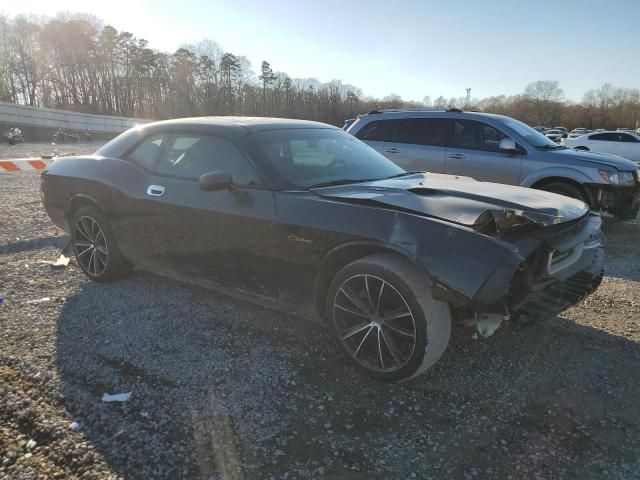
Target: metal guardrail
{"points": [[22, 115]]}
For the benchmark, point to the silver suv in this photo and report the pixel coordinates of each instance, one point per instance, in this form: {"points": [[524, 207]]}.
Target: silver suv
{"points": [[495, 148]]}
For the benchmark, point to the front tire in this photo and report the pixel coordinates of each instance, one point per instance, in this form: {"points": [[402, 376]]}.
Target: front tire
{"points": [[95, 246], [566, 189], [385, 318]]}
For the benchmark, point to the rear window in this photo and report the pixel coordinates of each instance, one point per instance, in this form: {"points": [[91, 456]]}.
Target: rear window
{"points": [[378, 131]]}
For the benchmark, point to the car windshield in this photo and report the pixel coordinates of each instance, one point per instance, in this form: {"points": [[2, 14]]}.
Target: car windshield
{"points": [[532, 136], [315, 157]]}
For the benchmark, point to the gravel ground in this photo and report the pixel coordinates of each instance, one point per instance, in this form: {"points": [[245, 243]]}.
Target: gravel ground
{"points": [[222, 388], [38, 149]]}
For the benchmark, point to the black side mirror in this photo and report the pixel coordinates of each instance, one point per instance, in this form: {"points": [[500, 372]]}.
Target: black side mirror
{"points": [[213, 181]]}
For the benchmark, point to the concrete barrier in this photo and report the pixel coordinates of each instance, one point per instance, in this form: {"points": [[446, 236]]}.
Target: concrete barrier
{"points": [[50, 118]]}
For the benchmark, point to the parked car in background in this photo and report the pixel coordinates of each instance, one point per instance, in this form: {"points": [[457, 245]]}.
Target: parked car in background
{"points": [[540, 129], [621, 143], [576, 134], [347, 123], [563, 130], [496, 148], [305, 217], [555, 135]]}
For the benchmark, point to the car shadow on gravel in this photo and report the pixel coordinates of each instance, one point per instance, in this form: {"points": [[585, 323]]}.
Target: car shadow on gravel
{"points": [[223, 387], [34, 244]]}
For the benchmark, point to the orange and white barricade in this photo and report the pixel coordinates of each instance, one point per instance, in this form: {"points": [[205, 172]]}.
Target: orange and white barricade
{"points": [[23, 165]]}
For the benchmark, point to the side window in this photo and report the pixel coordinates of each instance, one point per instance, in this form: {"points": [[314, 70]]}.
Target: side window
{"points": [[422, 131], [491, 137], [147, 152], [378, 131], [474, 135], [604, 137], [190, 156], [625, 137]]}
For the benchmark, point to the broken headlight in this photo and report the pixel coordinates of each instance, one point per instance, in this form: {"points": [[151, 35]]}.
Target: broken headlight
{"points": [[617, 178], [626, 178], [609, 177]]}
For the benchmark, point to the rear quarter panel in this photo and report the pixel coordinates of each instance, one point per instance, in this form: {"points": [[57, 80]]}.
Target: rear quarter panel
{"points": [[104, 181]]}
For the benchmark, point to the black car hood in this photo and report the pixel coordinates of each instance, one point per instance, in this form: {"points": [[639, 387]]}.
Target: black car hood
{"points": [[462, 200]]}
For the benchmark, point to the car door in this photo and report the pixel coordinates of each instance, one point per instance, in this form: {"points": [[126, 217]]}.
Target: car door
{"points": [[419, 144], [379, 134], [604, 143], [473, 151], [629, 146], [209, 236]]}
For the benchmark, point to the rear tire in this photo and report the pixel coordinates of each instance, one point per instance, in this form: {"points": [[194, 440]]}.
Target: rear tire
{"points": [[581, 149], [566, 189], [386, 320], [95, 246]]}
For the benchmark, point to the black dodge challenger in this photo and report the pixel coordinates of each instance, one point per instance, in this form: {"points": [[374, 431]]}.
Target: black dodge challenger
{"points": [[305, 217]]}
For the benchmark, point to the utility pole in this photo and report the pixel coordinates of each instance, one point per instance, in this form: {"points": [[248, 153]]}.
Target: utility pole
{"points": [[468, 102]]}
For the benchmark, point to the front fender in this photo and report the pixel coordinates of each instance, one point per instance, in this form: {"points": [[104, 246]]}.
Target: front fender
{"points": [[457, 259], [577, 175]]}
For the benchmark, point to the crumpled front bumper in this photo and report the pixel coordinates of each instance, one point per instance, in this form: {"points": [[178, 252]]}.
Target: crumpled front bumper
{"points": [[559, 273], [621, 201], [549, 297]]}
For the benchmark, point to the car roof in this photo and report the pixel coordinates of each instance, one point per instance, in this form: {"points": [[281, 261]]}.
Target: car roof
{"points": [[236, 123], [393, 113], [615, 131]]}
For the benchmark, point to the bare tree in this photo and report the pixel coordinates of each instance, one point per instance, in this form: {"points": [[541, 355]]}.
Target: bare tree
{"points": [[440, 102], [545, 95], [76, 62], [604, 95]]}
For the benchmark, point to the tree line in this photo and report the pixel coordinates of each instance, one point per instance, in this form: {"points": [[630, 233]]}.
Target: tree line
{"points": [[75, 62]]}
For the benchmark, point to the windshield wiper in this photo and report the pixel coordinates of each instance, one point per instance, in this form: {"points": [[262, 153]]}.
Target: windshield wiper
{"points": [[342, 181], [550, 147], [404, 174]]}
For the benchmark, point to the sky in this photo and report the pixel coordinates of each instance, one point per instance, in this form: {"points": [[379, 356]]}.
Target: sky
{"points": [[412, 48]]}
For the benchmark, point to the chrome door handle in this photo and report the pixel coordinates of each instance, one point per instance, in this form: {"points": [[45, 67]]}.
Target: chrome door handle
{"points": [[456, 155], [155, 190], [392, 150]]}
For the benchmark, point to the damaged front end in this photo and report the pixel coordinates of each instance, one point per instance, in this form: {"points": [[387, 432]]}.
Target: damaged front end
{"points": [[490, 251], [562, 265], [496, 222]]}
